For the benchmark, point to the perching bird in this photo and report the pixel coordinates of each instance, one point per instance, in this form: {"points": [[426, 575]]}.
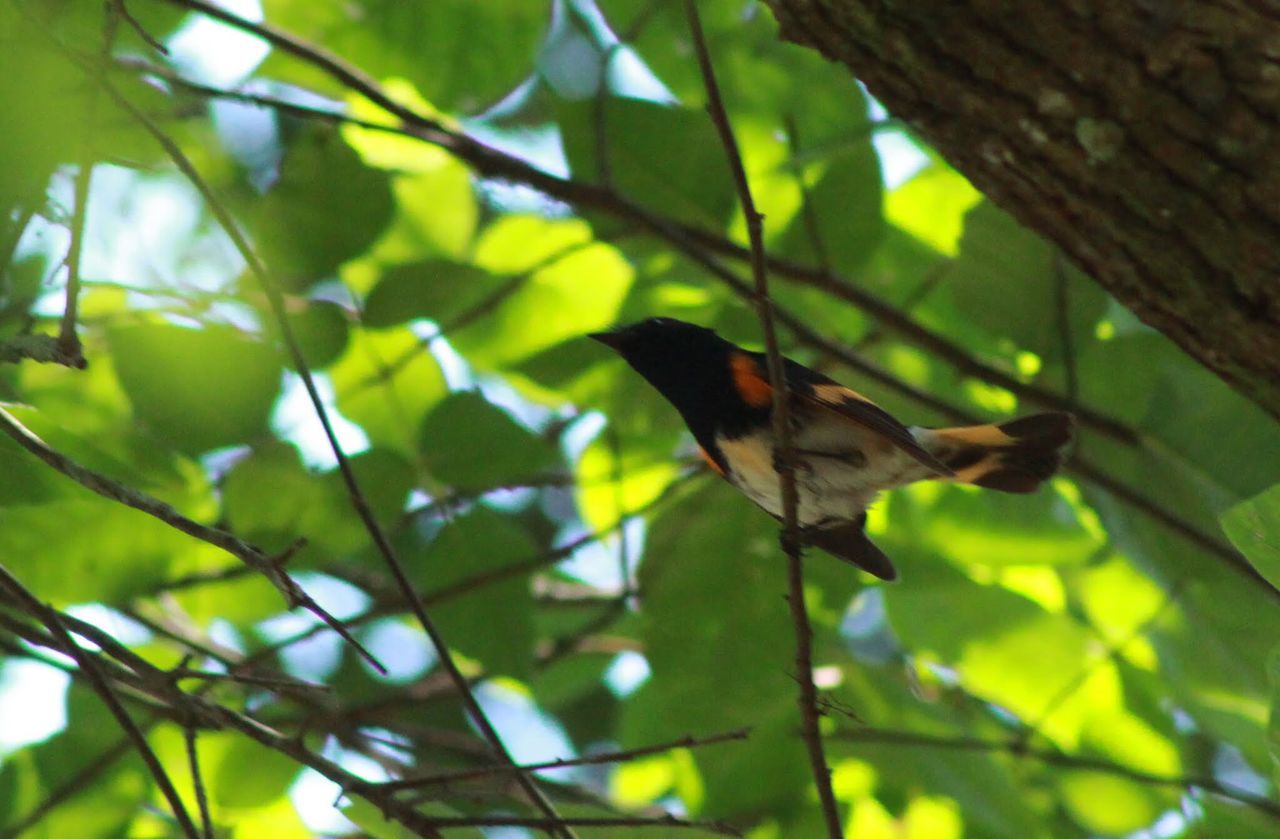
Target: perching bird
{"points": [[846, 448]]}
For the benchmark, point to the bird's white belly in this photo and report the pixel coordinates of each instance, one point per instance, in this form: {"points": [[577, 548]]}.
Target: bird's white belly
{"points": [[837, 485]]}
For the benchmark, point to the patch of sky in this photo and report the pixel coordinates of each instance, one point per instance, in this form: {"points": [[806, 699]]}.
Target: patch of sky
{"points": [[530, 735], [294, 419], [627, 672], [33, 704], [402, 649], [214, 53], [900, 157], [316, 658]]}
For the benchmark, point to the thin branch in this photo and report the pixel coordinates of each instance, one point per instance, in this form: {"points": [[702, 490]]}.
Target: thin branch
{"points": [[588, 760], [385, 606], [1054, 757], [68, 342], [276, 302], [113, 490], [150, 40], [50, 618], [202, 801], [808, 694]]}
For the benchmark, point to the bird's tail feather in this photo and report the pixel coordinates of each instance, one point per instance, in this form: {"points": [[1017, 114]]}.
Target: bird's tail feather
{"points": [[1014, 456]]}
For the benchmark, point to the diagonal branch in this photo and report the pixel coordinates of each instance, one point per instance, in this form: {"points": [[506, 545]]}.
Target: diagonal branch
{"points": [[109, 488], [50, 618], [808, 694]]}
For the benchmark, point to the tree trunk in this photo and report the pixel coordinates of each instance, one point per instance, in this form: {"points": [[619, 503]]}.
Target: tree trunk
{"points": [[1142, 136]]}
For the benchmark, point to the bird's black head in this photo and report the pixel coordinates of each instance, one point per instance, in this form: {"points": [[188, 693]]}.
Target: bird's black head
{"points": [[687, 363]]}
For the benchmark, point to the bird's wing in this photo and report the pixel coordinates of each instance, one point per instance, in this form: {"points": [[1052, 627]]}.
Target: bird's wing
{"points": [[810, 387]]}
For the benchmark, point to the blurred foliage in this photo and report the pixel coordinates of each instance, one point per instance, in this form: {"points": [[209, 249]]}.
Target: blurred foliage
{"points": [[1056, 656]]}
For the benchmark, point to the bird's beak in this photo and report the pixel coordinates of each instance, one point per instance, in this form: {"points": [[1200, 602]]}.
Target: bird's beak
{"points": [[609, 339]]}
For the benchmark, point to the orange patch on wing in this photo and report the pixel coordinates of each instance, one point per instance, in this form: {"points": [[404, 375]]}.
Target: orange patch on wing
{"points": [[711, 461], [749, 381], [976, 435], [838, 393]]}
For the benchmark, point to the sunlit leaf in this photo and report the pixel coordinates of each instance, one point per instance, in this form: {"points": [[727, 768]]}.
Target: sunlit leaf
{"points": [[932, 205], [386, 382]]}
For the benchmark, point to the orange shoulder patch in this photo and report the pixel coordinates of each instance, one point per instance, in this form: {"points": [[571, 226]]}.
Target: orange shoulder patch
{"points": [[749, 380]]}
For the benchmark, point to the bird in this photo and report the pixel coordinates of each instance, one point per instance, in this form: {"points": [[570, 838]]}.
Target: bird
{"points": [[845, 448]]}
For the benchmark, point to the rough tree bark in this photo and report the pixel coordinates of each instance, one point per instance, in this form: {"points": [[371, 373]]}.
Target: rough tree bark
{"points": [[1142, 136]]}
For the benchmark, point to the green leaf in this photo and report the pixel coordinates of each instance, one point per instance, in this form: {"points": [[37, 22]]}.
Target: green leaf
{"points": [[1273, 722], [462, 55], [1254, 528], [465, 425], [553, 303], [718, 639], [435, 288], [1005, 647], [632, 140], [987, 528], [1005, 280], [932, 206], [251, 775], [266, 496], [322, 330], [493, 623], [386, 382], [844, 214], [331, 522], [1103, 804], [46, 546], [325, 208], [197, 389]]}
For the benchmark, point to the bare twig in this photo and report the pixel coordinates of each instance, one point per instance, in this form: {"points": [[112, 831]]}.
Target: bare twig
{"points": [[202, 801], [808, 695], [122, 10], [587, 760], [118, 492], [1056, 758], [50, 618], [68, 344]]}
